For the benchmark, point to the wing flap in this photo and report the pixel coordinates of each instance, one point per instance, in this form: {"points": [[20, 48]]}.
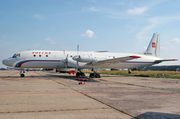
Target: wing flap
{"points": [[115, 60]]}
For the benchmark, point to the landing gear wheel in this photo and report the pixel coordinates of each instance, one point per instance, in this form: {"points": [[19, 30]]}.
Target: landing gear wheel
{"points": [[97, 75], [92, 75], [80, 74], [80, 83], [22, 75]]}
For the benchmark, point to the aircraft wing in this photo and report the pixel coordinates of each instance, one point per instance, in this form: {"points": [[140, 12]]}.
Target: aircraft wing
{"points": [[115, 60], [158, 61]]}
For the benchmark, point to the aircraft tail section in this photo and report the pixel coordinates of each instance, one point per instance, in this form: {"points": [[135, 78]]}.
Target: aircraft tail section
{"points": [[154, 46]]}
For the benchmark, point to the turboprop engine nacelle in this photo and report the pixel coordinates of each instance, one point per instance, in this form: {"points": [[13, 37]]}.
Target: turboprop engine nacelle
{"points": [[84, 58]]}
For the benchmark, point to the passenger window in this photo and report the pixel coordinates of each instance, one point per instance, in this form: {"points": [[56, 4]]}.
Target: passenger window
{"points": [[39, 55], [46, 55], [34, 55]]}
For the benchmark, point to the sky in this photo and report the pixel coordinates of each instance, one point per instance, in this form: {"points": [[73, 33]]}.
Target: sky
{"points": [[122, 26]]}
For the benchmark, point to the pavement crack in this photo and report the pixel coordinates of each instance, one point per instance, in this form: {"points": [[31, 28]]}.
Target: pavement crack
{"points": [[122, 111], [54, 110], [143, 86]]}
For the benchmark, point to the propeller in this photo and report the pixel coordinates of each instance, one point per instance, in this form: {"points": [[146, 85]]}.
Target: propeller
{"points": [[65, 60], [77, 56]]}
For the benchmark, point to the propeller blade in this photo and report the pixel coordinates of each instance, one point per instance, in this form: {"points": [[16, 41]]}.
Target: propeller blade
{"points": [[77, 56], [77, 49], [64, 53], [66, 62]]}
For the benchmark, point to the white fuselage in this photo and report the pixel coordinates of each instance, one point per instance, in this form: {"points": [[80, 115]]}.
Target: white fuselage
{"points": [[56, 59]]}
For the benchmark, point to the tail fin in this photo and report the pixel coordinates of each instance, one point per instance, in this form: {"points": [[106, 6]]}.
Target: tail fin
{"points": [[154, 46]]}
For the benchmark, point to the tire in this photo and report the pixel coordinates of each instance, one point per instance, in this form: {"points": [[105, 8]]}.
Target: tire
{"points": [[97, 75], [82, 74], [91, 75], [78, 74], [22, 75]]}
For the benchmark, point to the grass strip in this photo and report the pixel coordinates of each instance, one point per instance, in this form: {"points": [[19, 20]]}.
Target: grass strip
{"points": [[154, 74]]}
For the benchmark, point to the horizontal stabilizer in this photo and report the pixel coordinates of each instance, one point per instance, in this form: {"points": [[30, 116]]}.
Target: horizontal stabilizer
{"points": [[115, 60], [158, 61]]}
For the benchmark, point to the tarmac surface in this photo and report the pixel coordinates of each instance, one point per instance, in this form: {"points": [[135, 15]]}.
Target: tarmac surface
{"points": [[49, 95]]}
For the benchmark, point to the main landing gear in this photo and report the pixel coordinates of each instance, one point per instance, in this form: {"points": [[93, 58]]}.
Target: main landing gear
{"points": [[80, 73], [22, 73], [94, 75]]}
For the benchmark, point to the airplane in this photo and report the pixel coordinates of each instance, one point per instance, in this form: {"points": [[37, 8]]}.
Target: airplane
{"points": [[86, 60]]}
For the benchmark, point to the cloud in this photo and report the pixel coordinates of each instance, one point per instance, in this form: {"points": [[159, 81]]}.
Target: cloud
{"points": [[155, 22], [50, 40], [99, 10], [116, 13], [37, 16], [93, 9], [138, 10], [175, 40], [88, 33]]}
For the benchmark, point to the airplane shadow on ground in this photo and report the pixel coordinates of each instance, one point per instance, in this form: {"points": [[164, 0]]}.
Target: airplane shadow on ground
{"points": [[71, 77], [157, 115], [125, 76], [4, 77]]}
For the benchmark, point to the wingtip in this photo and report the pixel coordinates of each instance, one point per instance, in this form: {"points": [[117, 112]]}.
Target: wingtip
{"points": [[134, 56], [175, 59]]}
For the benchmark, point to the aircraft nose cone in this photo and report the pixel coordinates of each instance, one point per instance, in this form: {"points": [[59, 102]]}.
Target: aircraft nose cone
{"points": [[6, 62]]}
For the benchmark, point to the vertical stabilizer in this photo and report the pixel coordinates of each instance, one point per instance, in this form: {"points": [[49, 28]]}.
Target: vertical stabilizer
{"points": [[154, 46]]}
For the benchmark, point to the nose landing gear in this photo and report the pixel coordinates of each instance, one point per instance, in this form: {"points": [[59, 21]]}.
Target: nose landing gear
{"points": [[22, 73]]}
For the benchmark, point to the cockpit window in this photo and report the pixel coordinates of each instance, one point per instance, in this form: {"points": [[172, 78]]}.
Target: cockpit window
{"points": [[16, 55]]}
